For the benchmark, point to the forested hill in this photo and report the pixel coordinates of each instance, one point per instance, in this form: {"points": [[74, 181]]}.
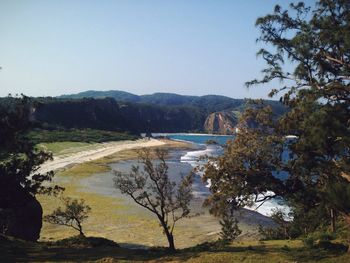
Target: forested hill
{"points": [[208, 103], [126, 112], [108, 114]]}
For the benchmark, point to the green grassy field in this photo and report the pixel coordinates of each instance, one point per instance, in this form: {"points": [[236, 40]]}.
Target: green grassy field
{"points": [[60, 148], [73, 135]]}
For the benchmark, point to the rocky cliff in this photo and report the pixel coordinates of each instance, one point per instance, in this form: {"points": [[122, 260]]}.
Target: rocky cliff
{"points": [[222, 122]]}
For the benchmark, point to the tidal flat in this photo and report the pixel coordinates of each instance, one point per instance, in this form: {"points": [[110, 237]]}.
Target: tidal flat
{"points": [[117, 217]]}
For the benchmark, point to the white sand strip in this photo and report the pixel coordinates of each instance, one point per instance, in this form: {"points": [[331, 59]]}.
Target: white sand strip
{"points": [[105, 149]]}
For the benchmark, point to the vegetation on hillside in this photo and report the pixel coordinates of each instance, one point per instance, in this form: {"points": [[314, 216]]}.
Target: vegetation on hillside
{"points": [[74, 135]]}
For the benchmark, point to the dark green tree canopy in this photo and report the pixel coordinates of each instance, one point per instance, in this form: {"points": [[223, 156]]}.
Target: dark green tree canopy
{"points": [[19, 159], [315, 43]]}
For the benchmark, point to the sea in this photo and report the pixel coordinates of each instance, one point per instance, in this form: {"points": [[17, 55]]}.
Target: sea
{"points": [[193, 158]]}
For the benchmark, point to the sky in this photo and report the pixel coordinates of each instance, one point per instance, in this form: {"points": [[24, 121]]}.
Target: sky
{"points": [[189, 47]]}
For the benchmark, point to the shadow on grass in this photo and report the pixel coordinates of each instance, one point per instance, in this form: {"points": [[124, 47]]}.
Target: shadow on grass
{"points": [[101, 249]]}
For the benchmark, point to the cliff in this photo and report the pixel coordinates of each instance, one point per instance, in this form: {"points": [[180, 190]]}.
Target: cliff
{"points": [[223, 122]]}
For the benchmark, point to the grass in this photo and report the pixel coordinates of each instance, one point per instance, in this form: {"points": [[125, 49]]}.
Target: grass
{"points": [[73, 135], [118, 218], [60, 148], [100, 250]]}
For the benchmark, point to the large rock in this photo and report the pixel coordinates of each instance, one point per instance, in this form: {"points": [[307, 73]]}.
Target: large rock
{"points": [[222, 122], [20, 214]]}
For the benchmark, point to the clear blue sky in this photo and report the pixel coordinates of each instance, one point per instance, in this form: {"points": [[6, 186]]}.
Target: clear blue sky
{"points": [[192, 47]]}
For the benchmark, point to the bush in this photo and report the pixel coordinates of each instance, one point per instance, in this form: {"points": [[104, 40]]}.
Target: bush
{"points": [[85, 242], [309, 242], [325, 237]]}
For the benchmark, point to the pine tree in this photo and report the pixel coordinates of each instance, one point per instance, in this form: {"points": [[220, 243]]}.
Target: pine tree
{"points": [[229, 228]]}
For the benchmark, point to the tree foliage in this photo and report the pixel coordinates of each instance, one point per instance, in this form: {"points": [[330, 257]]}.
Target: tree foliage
{"points": [[263, 162], [19, 158], [74, 213], [152, 189], [229, 226]]}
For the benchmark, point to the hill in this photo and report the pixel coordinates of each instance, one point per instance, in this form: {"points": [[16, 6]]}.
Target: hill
{"points": [[158, 112], [126, 112], [208, 103]]}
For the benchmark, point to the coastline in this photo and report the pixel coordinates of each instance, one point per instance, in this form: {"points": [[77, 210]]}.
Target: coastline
{"points": [[102, 150], [116, 217]]}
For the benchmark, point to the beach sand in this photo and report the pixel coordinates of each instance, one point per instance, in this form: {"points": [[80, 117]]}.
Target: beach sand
{"points": [[101, 150]]}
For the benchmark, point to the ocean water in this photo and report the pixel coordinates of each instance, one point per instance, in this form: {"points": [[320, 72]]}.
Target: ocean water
{"points": [[194, 159], [197, 138], [180, 164]]}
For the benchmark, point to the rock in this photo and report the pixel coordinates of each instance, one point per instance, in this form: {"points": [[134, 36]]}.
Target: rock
{"points": [[222, 122], [20, 215]]}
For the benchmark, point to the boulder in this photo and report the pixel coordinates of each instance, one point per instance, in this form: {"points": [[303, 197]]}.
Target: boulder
{"points": [[20, 215]]}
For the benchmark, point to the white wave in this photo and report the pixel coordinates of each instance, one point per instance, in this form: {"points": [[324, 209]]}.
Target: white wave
{"points": [[194, 157], [268, 207], [181, 133]]}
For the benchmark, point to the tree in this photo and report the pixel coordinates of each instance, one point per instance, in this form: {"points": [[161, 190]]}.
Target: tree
{"points": [[20, 180], [316, 43], [229, 227], [74, 213], [152, 189]]}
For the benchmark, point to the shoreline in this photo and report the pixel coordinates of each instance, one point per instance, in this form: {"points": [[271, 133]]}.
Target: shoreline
{"points": [[103, 150], [116, 217]]}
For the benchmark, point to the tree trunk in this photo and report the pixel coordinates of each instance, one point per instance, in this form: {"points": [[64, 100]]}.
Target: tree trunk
{"points": [[80, 229], [169, 236], [347, 220], [332, 214]]}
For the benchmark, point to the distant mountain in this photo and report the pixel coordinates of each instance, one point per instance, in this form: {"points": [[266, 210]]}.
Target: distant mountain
{"points": [[208, 103], [115, 94]]}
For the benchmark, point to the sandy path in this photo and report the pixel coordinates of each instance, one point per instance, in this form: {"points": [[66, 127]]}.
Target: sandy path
{"points": [[105, 149]]}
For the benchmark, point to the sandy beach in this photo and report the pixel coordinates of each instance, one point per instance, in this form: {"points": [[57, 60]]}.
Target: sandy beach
{"points": [[102, 150]]}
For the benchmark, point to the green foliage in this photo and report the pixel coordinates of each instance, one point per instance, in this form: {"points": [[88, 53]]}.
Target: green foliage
{"points": [[339, 195], [247, 166], [309, 242], [229, 228], [85, 242], [19, 159], [255, 167], [72, 215], [74, 135]]}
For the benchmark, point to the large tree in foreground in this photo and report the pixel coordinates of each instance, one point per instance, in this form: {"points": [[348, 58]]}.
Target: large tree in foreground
{"points": [[308, 50], [20, 181], [151, 188]]}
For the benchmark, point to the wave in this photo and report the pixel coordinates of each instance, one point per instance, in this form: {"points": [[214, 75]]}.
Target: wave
{"points": [[194, 157]]}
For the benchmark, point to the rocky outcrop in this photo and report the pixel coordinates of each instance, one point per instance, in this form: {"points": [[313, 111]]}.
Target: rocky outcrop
{"points": [[223, 122], [20, 214]]}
